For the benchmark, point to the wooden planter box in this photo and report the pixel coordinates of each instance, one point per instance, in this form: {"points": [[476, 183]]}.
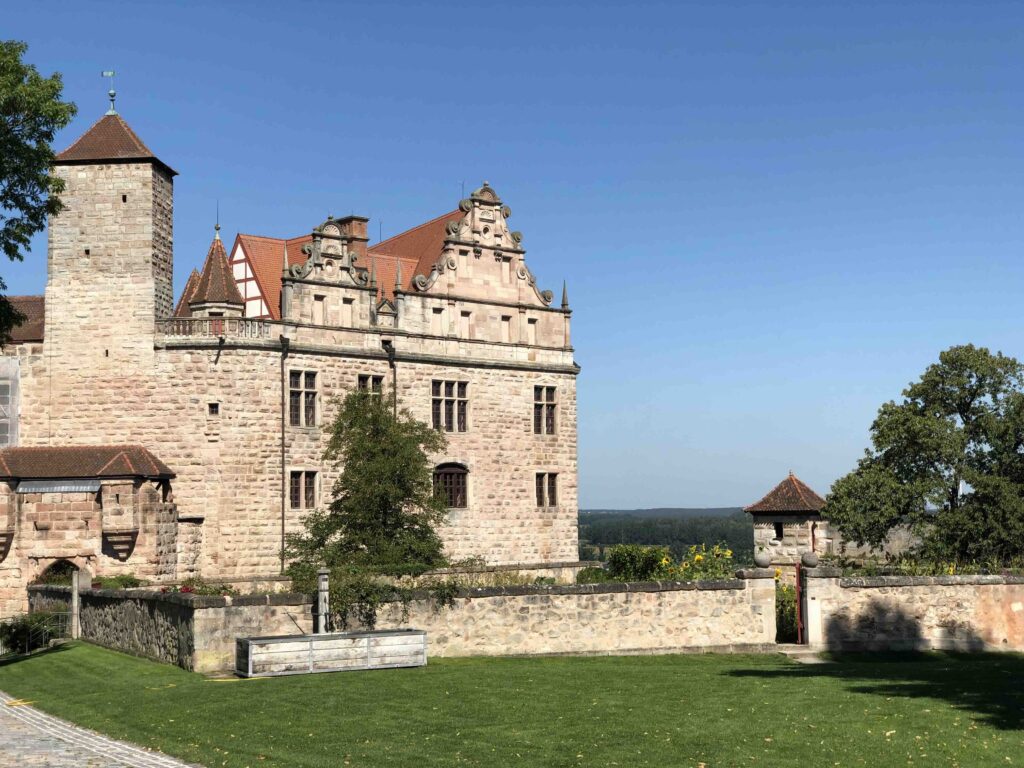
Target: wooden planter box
{"points": [[337, 652]]}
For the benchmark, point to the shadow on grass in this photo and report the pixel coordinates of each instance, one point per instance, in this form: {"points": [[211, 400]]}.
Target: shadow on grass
{"points": [[882, 651], [6, 661]]}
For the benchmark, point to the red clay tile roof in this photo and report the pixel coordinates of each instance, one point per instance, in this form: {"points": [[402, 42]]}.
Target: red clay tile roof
{"points": [[81, 462], [416, 249], [183, 309], [419, 247], [266, 257], [110, 139], [216, 285], [790, 496], [34, 309]]}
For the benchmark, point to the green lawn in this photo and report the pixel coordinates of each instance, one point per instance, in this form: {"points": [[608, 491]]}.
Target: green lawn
{"points": [[671, 711]]}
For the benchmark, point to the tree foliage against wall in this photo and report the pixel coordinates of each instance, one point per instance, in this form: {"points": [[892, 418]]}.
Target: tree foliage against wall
{"points": [[948, 460], [31, 113], [380, 524]]}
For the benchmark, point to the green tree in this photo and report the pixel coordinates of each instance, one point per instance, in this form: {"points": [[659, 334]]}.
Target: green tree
{"points": [[31, 113], [946, 460], [381, 522]]}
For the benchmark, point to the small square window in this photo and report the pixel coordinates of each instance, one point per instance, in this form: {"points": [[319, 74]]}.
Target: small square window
{"points": [[213, 409]]}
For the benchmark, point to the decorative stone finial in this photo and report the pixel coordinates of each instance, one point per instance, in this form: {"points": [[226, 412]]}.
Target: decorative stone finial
{"points": [[398, 276], [565, 295], [216, 231], [373, 271]]}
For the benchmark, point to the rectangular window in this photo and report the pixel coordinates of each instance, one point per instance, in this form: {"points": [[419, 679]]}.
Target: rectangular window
{"points": [[449, 406], [302, 398], [531, 331], [544, 405], [302, 489], [6, 414], [547, 489], [318, 310], [346, 313], [437, 321], [506, 328], [371, 384], [464, 324]]}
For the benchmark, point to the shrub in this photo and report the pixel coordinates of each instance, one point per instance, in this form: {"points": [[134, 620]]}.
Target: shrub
{"points": [[703, 564], [24, 634], [126, 581], [593, 575], [196, 586], [635, 562], [785, 613]]}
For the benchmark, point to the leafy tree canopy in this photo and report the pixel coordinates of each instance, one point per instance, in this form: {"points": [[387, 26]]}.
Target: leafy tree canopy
{"points": [[382, 517], [31, 113], [947, 460]]}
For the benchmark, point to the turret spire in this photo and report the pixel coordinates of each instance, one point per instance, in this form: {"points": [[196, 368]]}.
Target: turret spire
{"points": [[565, 295], [398, 276]]}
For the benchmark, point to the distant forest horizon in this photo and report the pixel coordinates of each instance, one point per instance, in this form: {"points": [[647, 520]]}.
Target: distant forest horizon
{"points": [[677, 528]]}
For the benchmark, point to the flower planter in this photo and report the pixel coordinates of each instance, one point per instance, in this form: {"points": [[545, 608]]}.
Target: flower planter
{"points": [[336, 652]]}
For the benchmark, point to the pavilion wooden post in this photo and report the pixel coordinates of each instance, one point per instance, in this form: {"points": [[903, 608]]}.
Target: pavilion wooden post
{"points": [[76, 603], [323, 590]]}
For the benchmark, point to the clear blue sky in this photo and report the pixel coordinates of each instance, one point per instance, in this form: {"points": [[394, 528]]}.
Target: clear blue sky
{"points": [[771, 216]]}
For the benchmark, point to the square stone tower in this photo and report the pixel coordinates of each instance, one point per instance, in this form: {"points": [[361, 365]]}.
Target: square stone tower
{"points": [[109, 269]]}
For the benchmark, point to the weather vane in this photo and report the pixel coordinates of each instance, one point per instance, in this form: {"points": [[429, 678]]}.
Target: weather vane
{"points": [[111, 93]]}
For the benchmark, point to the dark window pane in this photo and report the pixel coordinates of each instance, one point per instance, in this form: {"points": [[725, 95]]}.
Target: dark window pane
{"points": [[538, 393], [449, 415], [295, 379], [462, 415], [552, 490], [378, 383], [538, 418], [295, 491], [295, 408], [435, 388], [450, 485], [310, 380], [310, 488], [363, 382], [540, 490], [551, 394], [549, 419], [310, 409], [462, 389], [435, 411], [449, 389]]}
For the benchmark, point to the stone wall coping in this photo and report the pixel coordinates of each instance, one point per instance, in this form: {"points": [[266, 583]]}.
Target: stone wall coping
{"points": [[513, 567], [755, 573], [292, 598], [927, 581]]}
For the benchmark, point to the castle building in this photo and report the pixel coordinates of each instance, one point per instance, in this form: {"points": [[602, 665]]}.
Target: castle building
{"points": [[172, 439]]}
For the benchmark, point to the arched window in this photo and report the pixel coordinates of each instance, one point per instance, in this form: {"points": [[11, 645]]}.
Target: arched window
{"points": [[450, 484], [58, 572]]}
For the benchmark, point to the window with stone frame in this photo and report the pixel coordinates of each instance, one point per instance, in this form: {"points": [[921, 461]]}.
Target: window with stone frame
{"points": [[451, 484], [547, 489], [545, 405], [449, 407], [6, 413], [302, 398], [370, 383], [302, 489]]}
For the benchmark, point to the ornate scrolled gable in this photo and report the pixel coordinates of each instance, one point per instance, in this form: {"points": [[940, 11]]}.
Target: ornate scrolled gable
{"points": [[483, 227], [329, 258]]}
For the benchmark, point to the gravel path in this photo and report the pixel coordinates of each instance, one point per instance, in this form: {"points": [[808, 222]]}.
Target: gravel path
{"points": [[30, 738]]}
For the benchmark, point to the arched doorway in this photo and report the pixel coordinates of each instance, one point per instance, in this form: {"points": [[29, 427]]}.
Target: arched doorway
{"points": [[57, 572]]}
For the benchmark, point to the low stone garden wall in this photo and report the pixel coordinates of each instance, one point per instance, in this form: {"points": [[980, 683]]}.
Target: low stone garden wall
{"points": [[968, 613], [199, 632]]}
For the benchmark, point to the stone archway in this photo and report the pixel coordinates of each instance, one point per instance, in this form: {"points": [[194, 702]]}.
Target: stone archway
{"points": [[57, 572]]}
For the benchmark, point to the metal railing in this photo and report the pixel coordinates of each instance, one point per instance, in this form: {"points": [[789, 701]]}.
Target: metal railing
{"points": [[25, 632], [214, 327]]}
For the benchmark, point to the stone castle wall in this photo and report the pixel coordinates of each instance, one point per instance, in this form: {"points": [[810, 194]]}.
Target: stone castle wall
{"points": [[914, 612], [199, 633]]}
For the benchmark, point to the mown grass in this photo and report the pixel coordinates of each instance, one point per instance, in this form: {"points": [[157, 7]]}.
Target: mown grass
{"points": [[935, 710]]}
